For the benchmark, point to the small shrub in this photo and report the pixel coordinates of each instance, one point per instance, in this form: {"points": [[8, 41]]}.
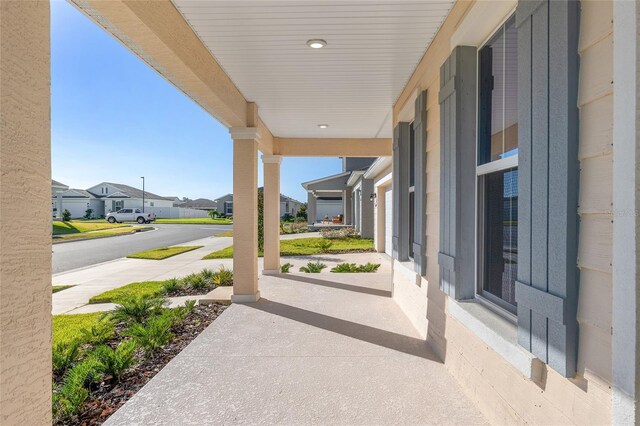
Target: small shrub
{"points": [[338, 234], [98, 333], [154, 334], [345, 267], [324, 245], [116, 362], [197, 282], [88, 214], [182, 312], [171, 286], [137, 309], [65, 355], [313, 267], [287, 217], [286, 267], [224, 277], [74, 390], [66, 215], [368, 267], [207, 274]]}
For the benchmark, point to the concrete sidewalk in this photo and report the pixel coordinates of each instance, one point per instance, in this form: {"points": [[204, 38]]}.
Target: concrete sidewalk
{"points": [[327, 349], [94, 280]]}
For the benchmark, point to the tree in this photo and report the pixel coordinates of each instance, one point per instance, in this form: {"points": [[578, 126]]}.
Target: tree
{"points": [[260, 220], [213, 214], [66, 215], [302, 212]]}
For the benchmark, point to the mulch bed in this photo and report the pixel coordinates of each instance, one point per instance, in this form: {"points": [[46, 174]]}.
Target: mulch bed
{"points": [[188, 291], [107, 397]]}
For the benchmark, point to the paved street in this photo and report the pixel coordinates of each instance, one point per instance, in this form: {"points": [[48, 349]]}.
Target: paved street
{"points": [[79, 254]]}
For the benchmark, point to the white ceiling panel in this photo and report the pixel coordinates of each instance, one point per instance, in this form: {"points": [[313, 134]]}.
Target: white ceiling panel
{"points": [[351, 84]]}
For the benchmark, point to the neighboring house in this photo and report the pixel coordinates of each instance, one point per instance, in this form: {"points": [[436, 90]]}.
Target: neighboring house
{"points": [[117, 196], [200, 204], [57, 187], [177, 201], [224, 205], [331, 196], [380, 174], [77, 202]]}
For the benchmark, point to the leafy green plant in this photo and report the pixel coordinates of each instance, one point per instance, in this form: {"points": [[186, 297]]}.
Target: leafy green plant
{"points": [[286, 267], [339, 234], [324, 245], [154, 334], [368, 267], [182, 312], [288, 217], [207, 274], [260, 220], [171, 286], [98, 333], [74, 389], [313, 267], [66, 215], [88, 213], [224, 277], [137, 309], [65, 355], [352, 267], [197, 282], [345, 267], [115, 362]]}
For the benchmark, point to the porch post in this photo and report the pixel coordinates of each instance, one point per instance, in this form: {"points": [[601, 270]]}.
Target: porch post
{"points": [[25, 214], [271, 213], [347, 209], [245, 214], [311, 208]]}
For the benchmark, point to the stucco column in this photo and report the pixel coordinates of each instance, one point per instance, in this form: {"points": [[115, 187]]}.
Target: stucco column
{"points": [[347, 206], [271, 213], [25, 214], [311, 208], [245, 214]]}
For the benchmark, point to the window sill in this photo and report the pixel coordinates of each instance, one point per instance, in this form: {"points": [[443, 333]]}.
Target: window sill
{"points": [[498, 333]]}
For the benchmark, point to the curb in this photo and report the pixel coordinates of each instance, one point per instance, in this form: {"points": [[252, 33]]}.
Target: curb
{"points": [[100, 238]]}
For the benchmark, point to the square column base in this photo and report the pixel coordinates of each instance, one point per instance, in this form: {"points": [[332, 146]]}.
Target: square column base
{"points": [[270, 271], [245, 298]]}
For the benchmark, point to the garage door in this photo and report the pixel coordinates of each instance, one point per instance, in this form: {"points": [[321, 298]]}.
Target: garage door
{"points": [[388, 221]]}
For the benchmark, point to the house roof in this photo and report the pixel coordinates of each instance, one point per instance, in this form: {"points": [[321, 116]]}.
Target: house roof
{"points": [[326, 180], [58, 184], [76, 193], [217, 200], [200, 203], [126, 191], [282, 196]]}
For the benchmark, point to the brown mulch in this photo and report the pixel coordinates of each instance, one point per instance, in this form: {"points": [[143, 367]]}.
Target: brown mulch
{"points": [[189, 291], [107, 396]]}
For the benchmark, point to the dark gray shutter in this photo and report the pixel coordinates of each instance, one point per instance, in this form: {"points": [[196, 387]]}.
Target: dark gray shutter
{"points": [[547, 286], [401, 191], [420, 194], [457, 172]]}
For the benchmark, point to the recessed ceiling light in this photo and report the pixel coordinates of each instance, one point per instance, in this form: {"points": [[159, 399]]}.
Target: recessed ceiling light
{"points": [[316, 43], [323, 126]]}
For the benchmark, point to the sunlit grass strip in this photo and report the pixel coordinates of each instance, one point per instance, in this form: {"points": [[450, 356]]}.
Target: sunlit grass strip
{"points": [[163, 252], [80, 226], [57, 288], [139, 289], [195, 221], [101, 234]]}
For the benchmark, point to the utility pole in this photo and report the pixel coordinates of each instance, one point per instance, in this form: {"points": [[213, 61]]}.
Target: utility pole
{"points": [[142, 177]]}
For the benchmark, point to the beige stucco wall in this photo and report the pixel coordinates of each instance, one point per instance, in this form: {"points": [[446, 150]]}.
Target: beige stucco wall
{"points": [[499, 389], [25, 187]]}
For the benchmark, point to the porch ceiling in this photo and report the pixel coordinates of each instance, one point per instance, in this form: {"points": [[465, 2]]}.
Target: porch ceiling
{"points": [[351, 84]]}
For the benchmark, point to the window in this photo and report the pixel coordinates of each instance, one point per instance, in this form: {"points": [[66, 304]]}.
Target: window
{"points": [[412, 189], [151, 203], [497, 167]]}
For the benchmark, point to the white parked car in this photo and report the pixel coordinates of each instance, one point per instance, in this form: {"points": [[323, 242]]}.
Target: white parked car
{"points": [[130, 215]]}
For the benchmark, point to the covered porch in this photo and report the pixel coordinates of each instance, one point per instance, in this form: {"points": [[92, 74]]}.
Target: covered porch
{"points": [[332, 349]]}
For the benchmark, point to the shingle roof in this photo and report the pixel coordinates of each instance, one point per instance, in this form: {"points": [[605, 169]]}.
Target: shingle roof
{"points": [[132, 192], [200, 203], [58, 184]]}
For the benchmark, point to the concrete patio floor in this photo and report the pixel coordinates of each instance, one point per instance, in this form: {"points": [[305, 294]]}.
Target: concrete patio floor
{"points": [[322, 349]]}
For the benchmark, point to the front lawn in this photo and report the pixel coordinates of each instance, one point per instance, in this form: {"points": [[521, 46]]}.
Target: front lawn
{"points": [[67, 327], [121, 230], [196, 221], [163, 252], [308, 246], [79, 226], [140, 289], [57, 288]]}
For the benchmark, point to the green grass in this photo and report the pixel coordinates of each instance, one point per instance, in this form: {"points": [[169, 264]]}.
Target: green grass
{"points": [[67, 327], [100, 234], [225, 234], [196, 221], [57, 288], [143, 288], [305, 247], [162, 252], [80, 226]]}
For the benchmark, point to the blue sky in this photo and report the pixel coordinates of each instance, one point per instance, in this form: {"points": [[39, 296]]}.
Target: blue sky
{"points": [[114, 119]]}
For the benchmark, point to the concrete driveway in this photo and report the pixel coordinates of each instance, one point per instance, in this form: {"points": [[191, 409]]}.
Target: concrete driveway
{"points": [[78, 254]]}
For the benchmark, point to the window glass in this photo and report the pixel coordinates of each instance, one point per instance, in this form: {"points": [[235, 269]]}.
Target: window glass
{"points": [[498, 83], [501, 234]]}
